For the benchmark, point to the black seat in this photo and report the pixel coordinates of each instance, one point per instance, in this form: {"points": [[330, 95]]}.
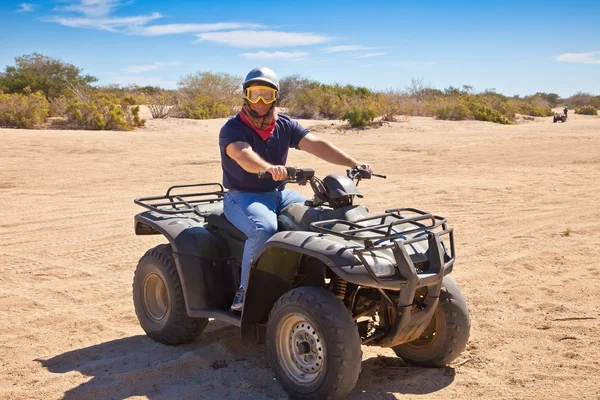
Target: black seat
{"points": [[217, 219]]}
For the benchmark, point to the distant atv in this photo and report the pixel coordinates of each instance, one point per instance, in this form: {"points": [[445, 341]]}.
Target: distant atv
{"points": [[334, 277], [559, 117]]}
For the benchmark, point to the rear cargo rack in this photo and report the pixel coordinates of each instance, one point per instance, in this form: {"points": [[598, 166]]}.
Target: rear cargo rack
{"points": [[181, 203], [380, 232]]}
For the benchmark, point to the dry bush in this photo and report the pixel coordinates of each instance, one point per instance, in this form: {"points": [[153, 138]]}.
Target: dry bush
{"points": [[452, 109], [161, 104], [390, 104], [216, 93], [202, 107], [23, 110], [290, 87], [100, 111], [58, 106], [586, 110], [580, 99]]}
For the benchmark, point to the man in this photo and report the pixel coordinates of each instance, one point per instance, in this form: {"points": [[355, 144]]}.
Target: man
{"points": [[257, 139], [566, 110]]}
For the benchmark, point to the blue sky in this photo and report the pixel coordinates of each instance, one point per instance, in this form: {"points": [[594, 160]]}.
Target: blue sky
{"points": [[513, 47]]}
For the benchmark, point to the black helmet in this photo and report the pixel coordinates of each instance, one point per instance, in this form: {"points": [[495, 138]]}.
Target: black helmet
{"points": [[262, 74]]}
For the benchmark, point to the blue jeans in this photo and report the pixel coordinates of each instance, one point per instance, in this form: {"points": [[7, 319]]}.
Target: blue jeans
{"points": [[255, 214]]}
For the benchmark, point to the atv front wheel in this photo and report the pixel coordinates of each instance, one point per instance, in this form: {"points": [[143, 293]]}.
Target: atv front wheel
{"points": [[446, 335], [313, 344], [158, 299]]}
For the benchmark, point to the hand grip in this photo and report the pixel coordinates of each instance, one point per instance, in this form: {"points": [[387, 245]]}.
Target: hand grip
{"points": [[264, 175]]}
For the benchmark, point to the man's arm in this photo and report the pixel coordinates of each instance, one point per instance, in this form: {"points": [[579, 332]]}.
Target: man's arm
{"points": [[328, 151], [242, 153]]}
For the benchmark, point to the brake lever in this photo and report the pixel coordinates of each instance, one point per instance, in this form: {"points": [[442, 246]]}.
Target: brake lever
{"points": [[379, 176]]}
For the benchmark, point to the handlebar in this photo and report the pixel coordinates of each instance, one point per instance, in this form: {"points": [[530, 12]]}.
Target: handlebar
{"points": [[358, 172], [291, 172]]}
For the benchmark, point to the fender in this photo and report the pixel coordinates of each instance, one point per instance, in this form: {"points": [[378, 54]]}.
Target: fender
{"points": [[275, 269], [208, 275]]}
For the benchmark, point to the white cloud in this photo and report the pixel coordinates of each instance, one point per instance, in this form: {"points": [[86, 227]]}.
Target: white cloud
{"points": [[252, 38], [369, 55], [136, 69], [170, 29], [92, 8], [127, 80], [277, 55], [127, 25], [339, 49], [401, 64], [26, 7], [580, 58]]}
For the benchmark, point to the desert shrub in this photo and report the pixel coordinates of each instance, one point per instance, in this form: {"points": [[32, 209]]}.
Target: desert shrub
{"points": [[453, 109], [390, 104], [485, 113], [551, 98], [215, 92], [318, 102], [586, 110], [58, 106], [202, 107], [49, 75], [161, 103], [291, 86], [329, 101], [23, 110], [104, 112], [359, 117], [533, 110], [580, 99]]}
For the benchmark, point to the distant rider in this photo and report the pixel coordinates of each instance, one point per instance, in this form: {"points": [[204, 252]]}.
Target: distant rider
{"points": [[257, 139]]}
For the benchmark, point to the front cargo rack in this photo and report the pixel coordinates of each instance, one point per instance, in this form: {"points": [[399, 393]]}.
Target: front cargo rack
{"points": [[181, 203], [382, 231]]}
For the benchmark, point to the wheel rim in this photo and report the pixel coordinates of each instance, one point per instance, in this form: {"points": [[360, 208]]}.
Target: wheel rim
{"points": [[156, 297], [301, 349], [429, 335]]}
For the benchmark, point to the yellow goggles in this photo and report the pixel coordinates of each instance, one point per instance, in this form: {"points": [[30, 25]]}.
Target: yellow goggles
{"points": [[255, 93]]}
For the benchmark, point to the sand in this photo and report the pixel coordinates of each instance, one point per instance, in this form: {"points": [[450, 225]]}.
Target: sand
{"points": [[524, 200]]}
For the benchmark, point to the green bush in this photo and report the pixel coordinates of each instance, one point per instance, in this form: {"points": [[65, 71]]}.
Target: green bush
{"points": [[209, 95], [202, 107], [535, 111], [359, 117], [23, 110], [104, 112], [586, 110], [453, 110], [49, 75], [485, 113]]}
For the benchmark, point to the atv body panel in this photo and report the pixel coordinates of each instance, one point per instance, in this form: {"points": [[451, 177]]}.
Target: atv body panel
{"points": [[395, 254]]}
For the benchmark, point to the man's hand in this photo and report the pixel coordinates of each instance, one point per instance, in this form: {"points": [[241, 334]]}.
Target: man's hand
{"points": [[278, 172], [365, 166]]}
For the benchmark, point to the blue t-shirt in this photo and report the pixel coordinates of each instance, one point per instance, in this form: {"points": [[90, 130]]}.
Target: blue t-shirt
{"points": [[274, 150]]}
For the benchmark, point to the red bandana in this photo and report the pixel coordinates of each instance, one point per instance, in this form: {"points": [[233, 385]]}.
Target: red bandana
{"points": [[264, 125], [263, 133]]}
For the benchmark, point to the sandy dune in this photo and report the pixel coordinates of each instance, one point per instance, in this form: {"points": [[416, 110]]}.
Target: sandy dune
{"points": [[524, 200]]}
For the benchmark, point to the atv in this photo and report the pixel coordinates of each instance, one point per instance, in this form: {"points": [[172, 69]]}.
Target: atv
{"points": [[559, 117], [333, 278]]}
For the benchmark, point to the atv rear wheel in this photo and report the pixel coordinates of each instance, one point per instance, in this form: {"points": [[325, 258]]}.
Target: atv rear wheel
{"points": [[313, 344], [446, 335], [158, 299]]}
